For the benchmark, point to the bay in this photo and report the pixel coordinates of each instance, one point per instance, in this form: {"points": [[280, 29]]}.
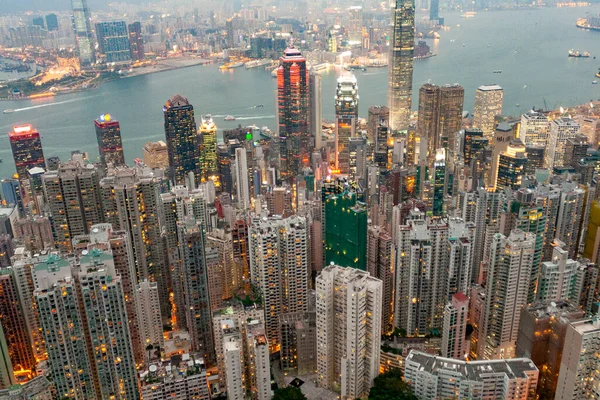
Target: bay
{"points": [[529, 46]]}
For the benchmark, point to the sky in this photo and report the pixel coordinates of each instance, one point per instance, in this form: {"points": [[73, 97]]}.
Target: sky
{"points": [[45, 5]]}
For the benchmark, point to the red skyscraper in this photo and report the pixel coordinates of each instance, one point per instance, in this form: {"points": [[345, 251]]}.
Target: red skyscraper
{"points": [[293, 110], [27, 149]]}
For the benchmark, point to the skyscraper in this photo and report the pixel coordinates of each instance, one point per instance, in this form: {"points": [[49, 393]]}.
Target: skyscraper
{"points": [[110, 146], [182, 140], [488, 104], [440, 182], [51, 22], [136, 42], [434, 10], [346, 119], [561, 129], [355, 27], [511, 166], [316, 108], [400, 69], [348, 330], [534, 129], [27, 149], [241, 179], [113, 41], [295, 142], [208, 149], [7, 377], [83, 33], [380, 265]]}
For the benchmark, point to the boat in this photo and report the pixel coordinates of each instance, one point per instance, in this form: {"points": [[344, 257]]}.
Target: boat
{"points": [[229, 118], [236, 65], [594, 82], [319, 67], [1, 160], [9, 111], [577, 54], [469, 14], [598, 74], [257, 63], [498, 71]]}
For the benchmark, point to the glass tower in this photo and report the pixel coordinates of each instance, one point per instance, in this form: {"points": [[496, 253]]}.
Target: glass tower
{"points": [[27, 149], [400, 70], [208, 150], [182, 140], [110, 146], [113, 41], [83, 32], [346, 118]]}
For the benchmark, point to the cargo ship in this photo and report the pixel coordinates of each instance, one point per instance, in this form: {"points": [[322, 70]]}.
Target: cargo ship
{"points": [[577, 54], [592, 23]]}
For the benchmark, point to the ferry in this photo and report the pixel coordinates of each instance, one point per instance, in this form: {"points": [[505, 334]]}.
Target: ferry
{"points": [[598, 74], [577, 54], [9, 111], [232, 65], [229, 118]]}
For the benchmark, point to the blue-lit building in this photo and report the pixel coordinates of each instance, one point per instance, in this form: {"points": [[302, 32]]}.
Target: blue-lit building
{"points": [[113, 41], [439, 182]]}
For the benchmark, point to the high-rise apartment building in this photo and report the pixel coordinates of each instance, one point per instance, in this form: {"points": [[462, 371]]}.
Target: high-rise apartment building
{"points": [[295, 142], [380, 265], [346, 119], [195, 286], [182, 140], [560, 278], [208, 149], [348, 330], [440, 116], [136, 42], [579, 375], [569, 217], [298, 332], [7, 377], [27, 151], [561, 129], [280, 268], [181, 377], [148, 314], [511, 261], [110, 146], [400, 67], [488, 105], [454, 333], [74, 199], [113, 41], [507, 379], [83, 33], [535, 128]]}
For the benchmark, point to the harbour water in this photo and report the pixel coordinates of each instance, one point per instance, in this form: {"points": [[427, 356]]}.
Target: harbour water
{"points": [[529, 46]]}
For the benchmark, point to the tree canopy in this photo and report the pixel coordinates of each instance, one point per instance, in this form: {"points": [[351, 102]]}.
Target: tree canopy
{"points": [[289, 393], [390, 386]]}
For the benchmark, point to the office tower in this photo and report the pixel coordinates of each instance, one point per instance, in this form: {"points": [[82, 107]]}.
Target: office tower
{"points": [[155, 155], [434, 9], [561, 129], [279, 268], [345, 230], [298, 333], [7, 377], [15, 327], [355, 27], [542, 330], [440, 116], [180, 377], [380, 265], [592, 238], [507, 287], [498, 379], [295, 140], [148, 313], [348, 329], [346, 119], [110, 146], [74, 199], [454, 335], [575, 150], [559, 278], [195, 287], [131, 203], [182, 140], [316, 108], [578, 376], [504, 135], [400, 69], [473, 144], [488, 104], [113, 41], [534, 129], [378, 116], [136, 42], [241, 179], [440, 183], [51, 22], [279, 201], [100, 293], [569, 217], [63, 328], [536, 158], [83, 33], [357, 159], [430, 262], [12, 194], [38, 21], [208, 149], [511, 166], [27, 149]]}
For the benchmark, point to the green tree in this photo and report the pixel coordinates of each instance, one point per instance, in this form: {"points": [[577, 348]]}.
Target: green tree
{"points": [[390, 386], [289, 393]]}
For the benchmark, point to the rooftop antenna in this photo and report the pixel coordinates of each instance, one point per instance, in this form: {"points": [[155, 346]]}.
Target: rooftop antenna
{"points": [[291, 39]]}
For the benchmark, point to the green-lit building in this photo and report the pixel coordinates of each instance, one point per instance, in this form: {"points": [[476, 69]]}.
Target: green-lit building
{"points": [[345, 231]]}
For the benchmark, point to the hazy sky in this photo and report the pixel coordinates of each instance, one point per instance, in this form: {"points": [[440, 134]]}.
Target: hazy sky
{"points": [[45, 5]]}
